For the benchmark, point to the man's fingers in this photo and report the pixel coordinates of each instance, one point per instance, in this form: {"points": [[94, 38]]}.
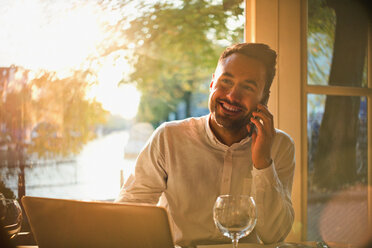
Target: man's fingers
{"points": [[267, 121], [258, 125], [266, 117], [264, 109], [254, 136]]}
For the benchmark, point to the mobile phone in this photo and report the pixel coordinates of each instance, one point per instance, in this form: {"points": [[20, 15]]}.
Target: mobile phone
{"points": [[252, 128], [251, 124]]}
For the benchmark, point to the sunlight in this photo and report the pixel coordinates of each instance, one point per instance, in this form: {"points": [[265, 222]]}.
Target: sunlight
{"points": [[52, 37], [60, 36], [122, 100]]}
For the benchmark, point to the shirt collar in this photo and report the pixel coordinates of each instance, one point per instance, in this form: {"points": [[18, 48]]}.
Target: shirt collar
{"points": [[213, 139]]}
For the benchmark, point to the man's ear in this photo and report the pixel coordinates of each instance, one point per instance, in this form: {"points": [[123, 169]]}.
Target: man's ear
{"points": [[211, 85]]}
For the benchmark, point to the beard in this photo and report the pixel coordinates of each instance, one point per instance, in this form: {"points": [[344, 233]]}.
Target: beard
{"points": [[231, 124]]}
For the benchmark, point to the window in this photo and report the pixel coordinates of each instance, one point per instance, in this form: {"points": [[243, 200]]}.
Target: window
{"points": [[67, 129], [312, 75], [337, 121]]}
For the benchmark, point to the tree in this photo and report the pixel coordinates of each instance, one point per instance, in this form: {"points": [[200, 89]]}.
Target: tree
{"points": [[335, 156], [45, 118], [65, 118], [174, 50]]}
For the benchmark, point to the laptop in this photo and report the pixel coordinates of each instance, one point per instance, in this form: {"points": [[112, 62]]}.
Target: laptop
{"points": [[81, 224]]}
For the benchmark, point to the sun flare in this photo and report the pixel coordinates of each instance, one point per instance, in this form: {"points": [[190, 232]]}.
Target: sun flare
{"points": [[123, 99], [59, 36]]}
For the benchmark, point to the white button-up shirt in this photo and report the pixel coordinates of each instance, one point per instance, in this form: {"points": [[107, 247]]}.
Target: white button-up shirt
{"points": [[185, 162]]}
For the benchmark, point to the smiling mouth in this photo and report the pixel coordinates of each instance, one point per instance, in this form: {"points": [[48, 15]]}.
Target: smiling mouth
{"points": [[230, 108]]}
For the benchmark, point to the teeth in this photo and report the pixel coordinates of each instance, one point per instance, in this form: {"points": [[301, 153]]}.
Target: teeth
{"points": [[230, 107]]}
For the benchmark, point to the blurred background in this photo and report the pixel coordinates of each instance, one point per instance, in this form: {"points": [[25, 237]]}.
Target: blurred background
{"points": [[83, 84]]}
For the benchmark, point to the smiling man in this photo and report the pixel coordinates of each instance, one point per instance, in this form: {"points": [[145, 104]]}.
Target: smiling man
{"points": [[233, 150]]}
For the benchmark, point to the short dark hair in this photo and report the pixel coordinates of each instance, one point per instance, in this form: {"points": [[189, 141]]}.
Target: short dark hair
{"points": [[261, 52]]}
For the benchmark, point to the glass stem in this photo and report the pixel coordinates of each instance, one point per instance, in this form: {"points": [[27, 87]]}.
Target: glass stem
{"points": [[235, 240]]}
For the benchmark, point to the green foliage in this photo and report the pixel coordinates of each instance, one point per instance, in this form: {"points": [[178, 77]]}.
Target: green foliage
{"points": [[321, 31], [175, 49], [321, 19], [47, 117], [66, 119]]}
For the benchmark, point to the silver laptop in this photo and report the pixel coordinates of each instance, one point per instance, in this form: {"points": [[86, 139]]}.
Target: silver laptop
{"points": [[69, 223]]}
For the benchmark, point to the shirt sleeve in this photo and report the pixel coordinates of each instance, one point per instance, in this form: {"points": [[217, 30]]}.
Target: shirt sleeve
{"points": [[271, 188], [149, 179]]}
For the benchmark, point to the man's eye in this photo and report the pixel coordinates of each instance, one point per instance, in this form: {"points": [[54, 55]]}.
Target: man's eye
{"points": [[226, 81], [247, 87]]}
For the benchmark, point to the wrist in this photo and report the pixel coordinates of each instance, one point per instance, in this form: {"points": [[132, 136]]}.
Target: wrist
{"points": [[262, 164]]}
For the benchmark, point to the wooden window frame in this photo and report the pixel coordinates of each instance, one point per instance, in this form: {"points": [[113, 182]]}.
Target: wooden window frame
{"points": [[283, 26]]}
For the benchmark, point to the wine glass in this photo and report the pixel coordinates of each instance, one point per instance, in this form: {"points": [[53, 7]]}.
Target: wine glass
{"points": [[11, 216], [235, 216]]}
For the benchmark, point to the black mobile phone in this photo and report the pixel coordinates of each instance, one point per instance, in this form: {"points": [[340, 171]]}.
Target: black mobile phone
{"points": [[253, 127], [251, 124]]}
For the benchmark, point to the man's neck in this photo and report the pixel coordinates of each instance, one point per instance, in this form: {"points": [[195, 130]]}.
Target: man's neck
{"points": [[225, 136]]}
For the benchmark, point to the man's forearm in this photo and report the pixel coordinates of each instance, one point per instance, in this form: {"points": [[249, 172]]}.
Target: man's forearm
{"points": [[274, 207]]}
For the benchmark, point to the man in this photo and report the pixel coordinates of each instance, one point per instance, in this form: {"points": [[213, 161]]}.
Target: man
{"points": [[233, 150]]}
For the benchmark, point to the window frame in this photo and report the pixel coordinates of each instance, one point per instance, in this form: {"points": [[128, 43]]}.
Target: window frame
{"points": [[283, 26], [334, 91]]}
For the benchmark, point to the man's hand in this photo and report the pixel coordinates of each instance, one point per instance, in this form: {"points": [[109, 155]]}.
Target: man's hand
{"points": [[263, 138]]}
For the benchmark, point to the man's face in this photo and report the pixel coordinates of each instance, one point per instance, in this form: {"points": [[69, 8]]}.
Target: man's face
{"points": [[236, 89]]}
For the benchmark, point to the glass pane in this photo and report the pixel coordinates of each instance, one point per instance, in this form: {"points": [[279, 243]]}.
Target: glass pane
{"points": [[337, 168], [337, 43], [75, 110]]}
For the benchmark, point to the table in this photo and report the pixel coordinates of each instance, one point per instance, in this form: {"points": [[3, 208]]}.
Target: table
{"points": [[281, 244], [287, 245]]}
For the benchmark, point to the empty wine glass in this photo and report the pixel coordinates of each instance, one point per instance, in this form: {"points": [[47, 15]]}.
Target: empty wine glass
{"points": [[11, 216], [235, 216]]}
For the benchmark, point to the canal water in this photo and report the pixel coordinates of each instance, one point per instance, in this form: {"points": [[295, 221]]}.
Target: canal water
{"points": [[94, 174]]}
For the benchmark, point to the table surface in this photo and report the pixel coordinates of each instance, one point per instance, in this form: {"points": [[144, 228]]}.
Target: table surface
{"points": [[304, 244], [283, 245]]}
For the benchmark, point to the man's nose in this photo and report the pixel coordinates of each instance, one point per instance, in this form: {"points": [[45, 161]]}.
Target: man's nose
{"points": [[234, 93]]}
